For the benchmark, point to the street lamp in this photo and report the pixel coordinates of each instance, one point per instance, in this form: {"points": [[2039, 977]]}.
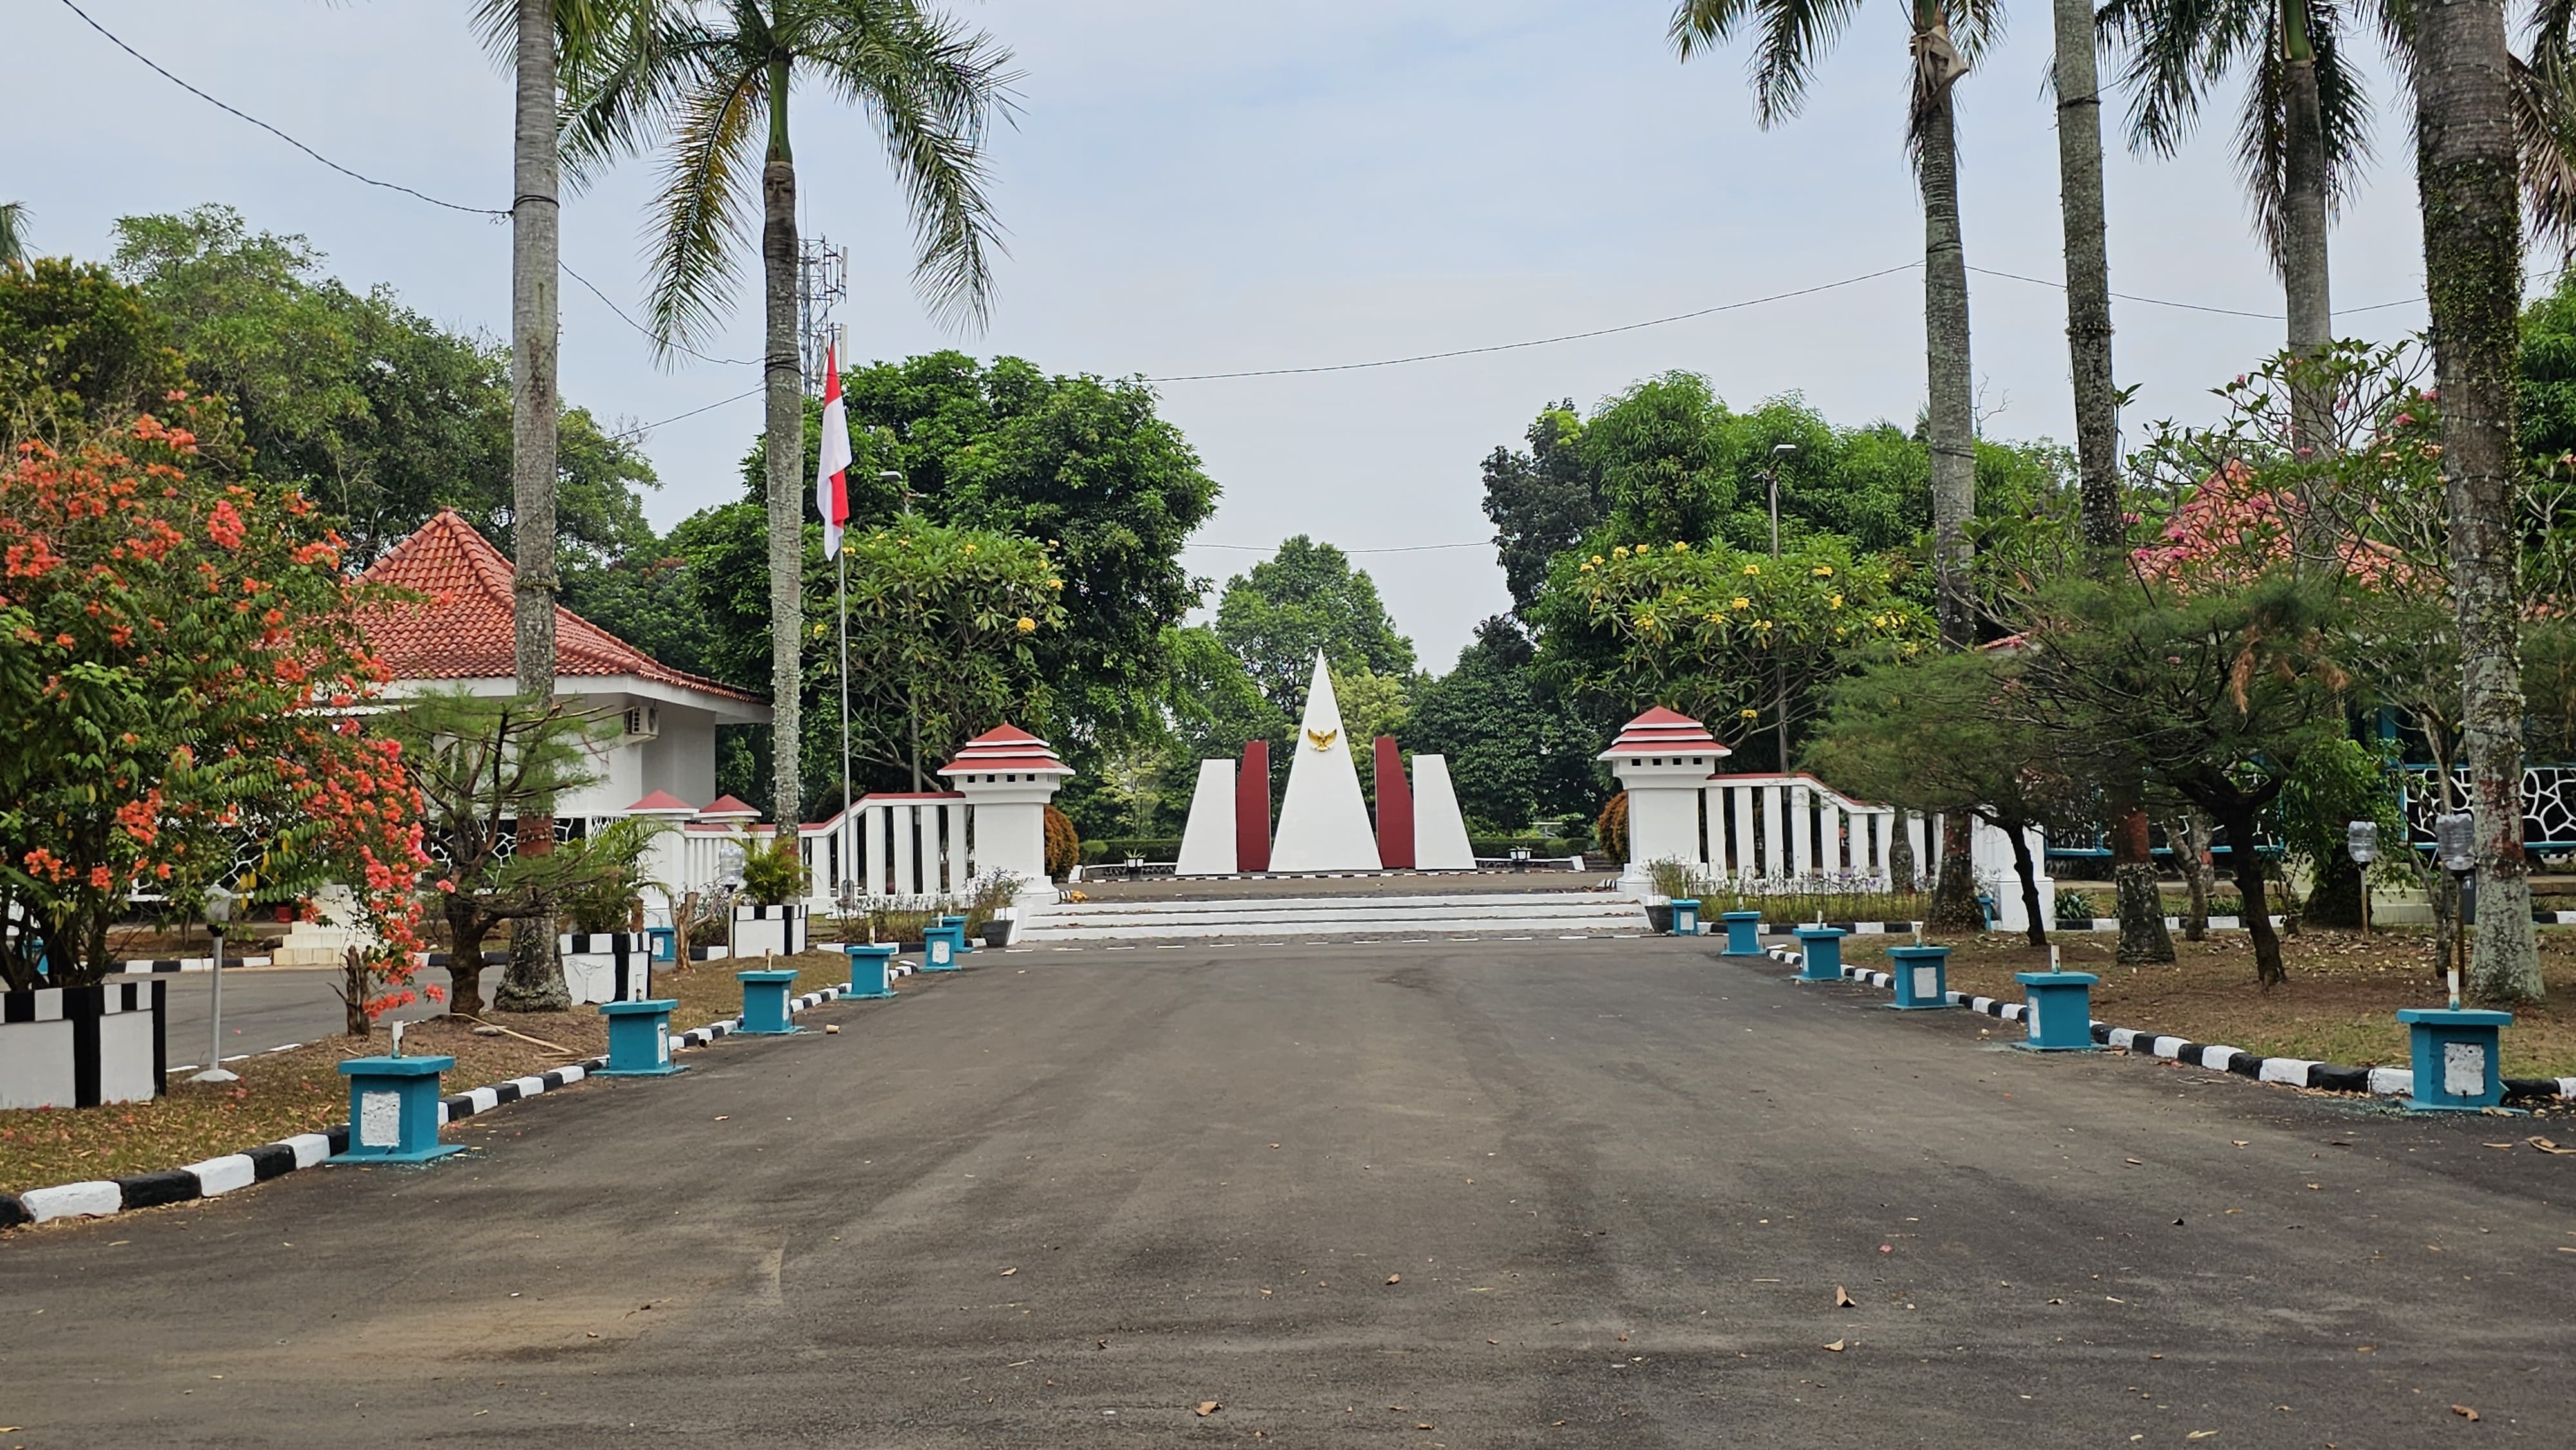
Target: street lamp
{"points": [[1779, 668], [219, 910], [2455, 845], [2361, 843]]}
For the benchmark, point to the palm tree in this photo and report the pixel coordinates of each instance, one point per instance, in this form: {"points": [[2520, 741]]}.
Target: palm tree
{"points": [[2467, 171], [710, 82], [1944, 39], [13, 232]]}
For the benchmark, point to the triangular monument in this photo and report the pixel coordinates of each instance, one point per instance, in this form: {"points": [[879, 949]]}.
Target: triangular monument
{"points": [[1323, 822]]}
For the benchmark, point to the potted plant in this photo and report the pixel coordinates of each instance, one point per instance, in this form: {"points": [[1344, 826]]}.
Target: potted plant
{"points": [[773, 917], [990, 909], [1669, 878]]}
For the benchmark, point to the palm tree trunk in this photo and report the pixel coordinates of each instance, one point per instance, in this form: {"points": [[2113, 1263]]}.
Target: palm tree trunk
{"points": [[2302, 257], [2088, 274], [534, 981], [785, 462], [2466, 178], [1951, 424]]}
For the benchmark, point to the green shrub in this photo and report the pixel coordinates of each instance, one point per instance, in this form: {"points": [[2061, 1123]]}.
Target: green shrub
{"points": [[775, 877], [2074, 910]]}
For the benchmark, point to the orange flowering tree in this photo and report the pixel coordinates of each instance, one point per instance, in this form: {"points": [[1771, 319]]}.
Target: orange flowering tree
{"points": [[178, 671]]}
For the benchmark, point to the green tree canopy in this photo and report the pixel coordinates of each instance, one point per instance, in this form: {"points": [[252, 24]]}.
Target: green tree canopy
{"points": [[1542, 502], [1305, 598], [1516, 751]]}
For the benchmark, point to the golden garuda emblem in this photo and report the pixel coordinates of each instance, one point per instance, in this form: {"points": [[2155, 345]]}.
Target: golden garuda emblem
{"points": [[1323, 739]]}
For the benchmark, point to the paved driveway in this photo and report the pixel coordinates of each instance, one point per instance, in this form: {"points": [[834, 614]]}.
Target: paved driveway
{"points": [[1559, 1194]]}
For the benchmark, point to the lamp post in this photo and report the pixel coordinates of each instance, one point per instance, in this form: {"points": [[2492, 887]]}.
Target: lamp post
{"points": [[219, 910], [2361, 843], [2455, 842], [1779, 668]]}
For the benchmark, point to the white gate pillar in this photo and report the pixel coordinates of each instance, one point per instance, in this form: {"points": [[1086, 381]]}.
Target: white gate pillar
{"points": [[1007, 776], [1664, 758]]}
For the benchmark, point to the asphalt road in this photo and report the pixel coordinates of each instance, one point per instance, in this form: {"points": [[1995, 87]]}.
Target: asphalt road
{"points": [[267, 1007], [1557, 1194]]}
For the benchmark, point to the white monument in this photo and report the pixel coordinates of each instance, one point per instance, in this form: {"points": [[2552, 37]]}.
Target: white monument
{"points": [[1664, 759], [1323, 821], [1439, 829], [1207, 842], [1007, 776]]}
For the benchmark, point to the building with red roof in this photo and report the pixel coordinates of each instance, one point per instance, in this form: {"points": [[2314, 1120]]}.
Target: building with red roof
{"points": [[458, 635]]}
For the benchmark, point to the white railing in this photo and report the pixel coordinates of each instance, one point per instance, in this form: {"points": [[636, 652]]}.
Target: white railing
{"points": [[892, 845], [1760, 829]]}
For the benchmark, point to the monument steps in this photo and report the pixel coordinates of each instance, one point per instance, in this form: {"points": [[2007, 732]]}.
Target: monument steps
{"points": [[1520, 913]]}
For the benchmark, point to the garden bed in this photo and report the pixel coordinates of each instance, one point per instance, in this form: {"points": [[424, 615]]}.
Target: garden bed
{"points": [[2339, 1004], [284, 1093]]}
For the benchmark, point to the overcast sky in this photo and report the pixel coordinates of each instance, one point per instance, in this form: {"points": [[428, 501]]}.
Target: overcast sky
{"points": [[1195, 186]]}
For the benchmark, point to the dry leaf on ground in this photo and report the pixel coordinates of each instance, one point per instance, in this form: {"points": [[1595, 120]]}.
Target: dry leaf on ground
{"points": [[2546, 1146], [1208, 1407], [1836, 1346], [1843, 1299], [2465, 1413]]}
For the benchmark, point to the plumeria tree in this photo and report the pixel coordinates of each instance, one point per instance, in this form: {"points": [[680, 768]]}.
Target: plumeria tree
{"points": [[1739, 639], [175, 705]]}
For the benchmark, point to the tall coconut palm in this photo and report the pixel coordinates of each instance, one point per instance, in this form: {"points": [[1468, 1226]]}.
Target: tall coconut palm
{"points": [[13, 232], [2467, 168], [1944, 37], [709, 83]]}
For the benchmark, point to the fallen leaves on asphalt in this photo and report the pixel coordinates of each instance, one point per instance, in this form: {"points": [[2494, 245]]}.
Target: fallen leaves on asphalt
{"points": [[1395, 1278], [2545, 1146], [1837, 1346], [2465, 1413], [1006, 1273], [1842, 1299], [2200, 1434], [1207, 1408]]}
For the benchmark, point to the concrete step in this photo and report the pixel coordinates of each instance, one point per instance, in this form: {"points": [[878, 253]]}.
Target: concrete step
{"points": [[1275, 918]]}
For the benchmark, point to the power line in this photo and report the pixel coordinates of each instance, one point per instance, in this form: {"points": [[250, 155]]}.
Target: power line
{"points": [[1403, 549], [640, 429], [648, 332]]}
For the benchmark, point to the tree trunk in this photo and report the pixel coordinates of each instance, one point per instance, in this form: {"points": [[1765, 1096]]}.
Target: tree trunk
{"points": [[2028, 871], [2189, 836], [2088, 275], [1951, 423], [2144, 938], [2335, 899], [785, 461], [2466, 178], [464, 963], [536, 972], [1954, 895], [2300, 250], [2246, 865], [1902, 873]]}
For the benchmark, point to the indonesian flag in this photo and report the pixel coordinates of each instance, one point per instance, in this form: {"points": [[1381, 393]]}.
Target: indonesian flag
{"points": [[832, 481]]}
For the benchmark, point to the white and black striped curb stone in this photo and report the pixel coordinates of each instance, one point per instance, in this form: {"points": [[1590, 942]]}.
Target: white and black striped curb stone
{"points": [[216, 1176], [2290, 1071], [155, 966]]}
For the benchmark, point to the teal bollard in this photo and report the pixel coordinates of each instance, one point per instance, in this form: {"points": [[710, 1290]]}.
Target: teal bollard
{"points": [[2061, 1010], [964, 946], [393, 1110], [764, 1002], [1821, 956], [639, 1038], [1922, 977], [2456, 1054], [1685, 916], [1743, 933], [941, 946], [868, 964]]}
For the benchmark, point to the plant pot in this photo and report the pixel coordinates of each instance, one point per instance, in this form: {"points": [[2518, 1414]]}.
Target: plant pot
{"points": [[911, 948], [997, 932], [1659, 916]]}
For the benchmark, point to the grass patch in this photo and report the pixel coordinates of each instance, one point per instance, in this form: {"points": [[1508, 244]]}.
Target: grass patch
{"points": [[2338, 1006], [284, 1093]]}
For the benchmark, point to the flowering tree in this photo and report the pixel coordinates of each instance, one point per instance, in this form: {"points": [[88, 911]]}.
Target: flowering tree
{"points": [[175, 696], [1733, 637]]}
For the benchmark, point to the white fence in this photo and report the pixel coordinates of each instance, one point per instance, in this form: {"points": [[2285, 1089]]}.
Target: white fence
{"points": [[890, 846], [1774, 828]]}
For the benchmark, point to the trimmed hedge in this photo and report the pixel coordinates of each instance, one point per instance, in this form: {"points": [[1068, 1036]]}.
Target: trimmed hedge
{"points": [[1114, 850]]}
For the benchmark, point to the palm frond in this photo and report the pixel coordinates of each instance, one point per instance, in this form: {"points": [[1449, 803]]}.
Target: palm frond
{"points": [[933, 86], [623, 88], [2343, 102], [2544, 120], [13, 232], [1700, 25], [705, 198], [2178, 52], [1793, 36]]}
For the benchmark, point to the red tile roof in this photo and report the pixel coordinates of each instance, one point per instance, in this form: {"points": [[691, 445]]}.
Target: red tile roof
{"points": [[462, 631], [661, 800], [1664, 732], [725, 805], [1005, 747]]}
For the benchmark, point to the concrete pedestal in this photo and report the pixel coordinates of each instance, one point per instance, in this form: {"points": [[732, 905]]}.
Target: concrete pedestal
{"points": [[1821, 953], [941, 946], [868, 964], [1743, 933], [964, 945], [639, 1038], [2456, 1056], [2061, 1010], [1922, 977], [764, 1002], [1685, 916], [393, 1110]]}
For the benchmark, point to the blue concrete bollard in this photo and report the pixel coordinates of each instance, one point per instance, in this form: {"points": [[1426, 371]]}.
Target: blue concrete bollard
{"points": [[1685, 916], [764, 1002], [1743, 933], [1821, 953], [868, 964], [2061, 1010], [941, 946], [2455, 1052], [964, 946], [662, 944], [639, 1038], [393, 1110], [1922, 977]]}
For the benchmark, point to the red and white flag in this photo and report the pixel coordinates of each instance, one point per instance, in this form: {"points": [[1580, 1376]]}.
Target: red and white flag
{"points": [[832, 479]]}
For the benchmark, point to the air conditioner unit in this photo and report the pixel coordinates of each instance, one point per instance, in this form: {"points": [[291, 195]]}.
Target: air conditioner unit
{"points": [[644, 722]]}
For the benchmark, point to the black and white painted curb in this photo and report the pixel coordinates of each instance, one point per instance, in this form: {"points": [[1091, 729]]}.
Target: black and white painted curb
{"points": [[2290, 1071], [155, 966], [217, 1176]]}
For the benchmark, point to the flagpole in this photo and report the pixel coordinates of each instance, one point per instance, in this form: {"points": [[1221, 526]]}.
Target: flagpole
{"points": [[841, 597]]}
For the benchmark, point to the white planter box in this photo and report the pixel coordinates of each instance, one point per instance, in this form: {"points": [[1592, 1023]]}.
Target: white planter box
{"points": [[758, 930], [605, 966], [78, 1047]]}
